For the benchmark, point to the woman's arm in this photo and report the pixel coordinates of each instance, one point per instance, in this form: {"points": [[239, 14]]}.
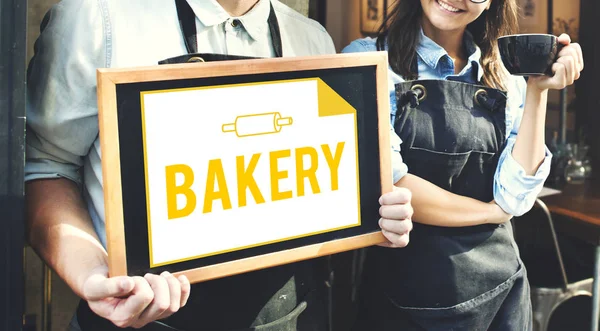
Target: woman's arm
{"points": [[525, 163], [529, 149], [435, 206]]}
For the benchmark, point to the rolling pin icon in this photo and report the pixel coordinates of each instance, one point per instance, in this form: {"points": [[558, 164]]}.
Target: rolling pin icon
{"points": [[257, 124]]}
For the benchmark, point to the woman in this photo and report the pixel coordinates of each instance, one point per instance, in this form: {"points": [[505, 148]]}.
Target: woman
{"points": [[473, 140]]}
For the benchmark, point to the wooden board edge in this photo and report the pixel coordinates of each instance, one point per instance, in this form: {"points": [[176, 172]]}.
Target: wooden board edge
{"points": [[383, 109], [108, 79], [282, 257], [240, 67], [113, 197]]}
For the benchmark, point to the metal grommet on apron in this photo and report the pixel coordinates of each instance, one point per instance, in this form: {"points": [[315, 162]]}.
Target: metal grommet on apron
{"points": [[196, 59], [480, 94], [413, 97], [483, 100], [421, 92]]}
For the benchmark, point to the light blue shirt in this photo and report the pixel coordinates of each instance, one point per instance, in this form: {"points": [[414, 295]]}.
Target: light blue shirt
{"points": [[514, 191], [78, 37]]}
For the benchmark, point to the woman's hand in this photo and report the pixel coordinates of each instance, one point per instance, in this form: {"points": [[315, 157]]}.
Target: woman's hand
{"points": [[566, 69], [396, 213]]}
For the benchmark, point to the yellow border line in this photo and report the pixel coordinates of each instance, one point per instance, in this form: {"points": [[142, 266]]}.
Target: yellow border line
{"points": [[147, 179], [357, 168], [253, 245]]}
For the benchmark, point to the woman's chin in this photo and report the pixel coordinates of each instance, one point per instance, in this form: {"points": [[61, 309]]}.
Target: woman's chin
{"points": [[446, 26]]}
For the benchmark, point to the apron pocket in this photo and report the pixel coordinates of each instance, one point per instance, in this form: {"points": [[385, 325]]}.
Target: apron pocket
{"points": [[287, 323], [308, 315], [471, 315], [454, 171], [443, 267]]}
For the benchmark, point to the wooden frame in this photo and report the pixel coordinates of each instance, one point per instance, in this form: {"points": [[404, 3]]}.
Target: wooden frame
{"points": [[110, 99], [530, 13], [372, 14]]}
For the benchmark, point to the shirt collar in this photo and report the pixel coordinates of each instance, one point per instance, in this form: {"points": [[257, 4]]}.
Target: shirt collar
{"points": [[431, 53], [210, 13]]}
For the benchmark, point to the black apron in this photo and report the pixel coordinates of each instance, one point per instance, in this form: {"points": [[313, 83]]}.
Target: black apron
{"points": [[468, 278], [291, 297]]}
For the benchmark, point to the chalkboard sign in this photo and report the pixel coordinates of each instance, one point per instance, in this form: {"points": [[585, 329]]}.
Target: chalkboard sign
{"points": [[215, 169]]}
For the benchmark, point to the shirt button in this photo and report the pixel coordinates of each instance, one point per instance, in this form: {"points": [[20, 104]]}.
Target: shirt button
{"points": [[235, 23]]}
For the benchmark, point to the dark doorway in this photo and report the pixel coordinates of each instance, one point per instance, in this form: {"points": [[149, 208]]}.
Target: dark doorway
{"points": [[588, 103], [12, 157]]}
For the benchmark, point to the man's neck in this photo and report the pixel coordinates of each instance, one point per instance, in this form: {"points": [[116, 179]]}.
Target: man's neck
{"points": [[237, 8]]}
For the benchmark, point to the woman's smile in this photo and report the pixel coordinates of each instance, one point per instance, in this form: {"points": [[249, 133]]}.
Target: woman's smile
{"points": [[447, 7], [450, 15]]}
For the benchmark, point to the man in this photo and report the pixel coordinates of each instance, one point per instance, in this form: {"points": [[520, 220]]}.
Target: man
{"points": [[63, 171]]}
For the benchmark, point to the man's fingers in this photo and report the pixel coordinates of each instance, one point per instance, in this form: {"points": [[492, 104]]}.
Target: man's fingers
{"points": [[175, 294], [98, 287], [398, 196], [186, 289], [125, 312], [142, 296], [395, 226], [160, 302]]}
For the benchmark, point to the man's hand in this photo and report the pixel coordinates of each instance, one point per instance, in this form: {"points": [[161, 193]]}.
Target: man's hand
{"points": [[135, 301], [396, 213]]}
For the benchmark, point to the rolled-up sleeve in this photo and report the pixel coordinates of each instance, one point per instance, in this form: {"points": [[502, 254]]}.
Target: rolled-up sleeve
{"points": [[515, 191], [62, 121]]}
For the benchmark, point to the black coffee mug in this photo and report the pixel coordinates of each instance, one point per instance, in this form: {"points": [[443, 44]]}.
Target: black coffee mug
{"points": [[529, 54]]}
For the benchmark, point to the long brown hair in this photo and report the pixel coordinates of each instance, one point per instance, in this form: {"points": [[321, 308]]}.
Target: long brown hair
{"points": [[401, 30]]}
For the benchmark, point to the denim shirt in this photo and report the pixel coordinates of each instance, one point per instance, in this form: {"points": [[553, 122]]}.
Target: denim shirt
{"points": [[78, 37], [514, 191]]}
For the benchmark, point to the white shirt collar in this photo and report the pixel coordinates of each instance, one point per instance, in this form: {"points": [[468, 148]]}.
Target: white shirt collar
{"points": [[210, 13]]}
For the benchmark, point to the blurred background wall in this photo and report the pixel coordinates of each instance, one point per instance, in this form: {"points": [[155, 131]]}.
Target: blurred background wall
{"points": [[342, 18]]}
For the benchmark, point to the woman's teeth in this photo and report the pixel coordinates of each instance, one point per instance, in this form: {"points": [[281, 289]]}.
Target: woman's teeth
{"points": [[447, 6]]}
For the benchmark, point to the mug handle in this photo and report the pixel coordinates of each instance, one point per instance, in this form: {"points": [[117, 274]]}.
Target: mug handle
{"points": [[559, 47]]}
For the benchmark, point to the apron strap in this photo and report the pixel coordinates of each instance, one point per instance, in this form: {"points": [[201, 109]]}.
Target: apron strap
{"points": [[275, 32], [187, 23]]}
